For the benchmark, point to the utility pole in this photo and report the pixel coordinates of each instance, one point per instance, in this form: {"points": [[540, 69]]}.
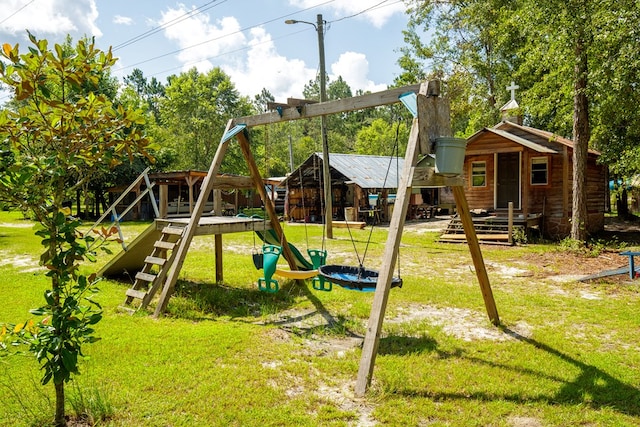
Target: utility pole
{"points": [[328, 204], [326, 169]]}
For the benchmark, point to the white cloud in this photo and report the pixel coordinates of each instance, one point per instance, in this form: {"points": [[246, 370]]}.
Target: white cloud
{"points": [[200, 39], [378, 14], [354, 69], [54, 17], [252, 61], [265, 68], [122, 20]]}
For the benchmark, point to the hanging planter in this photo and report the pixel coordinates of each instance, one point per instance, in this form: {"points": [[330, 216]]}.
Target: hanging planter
{"points": [[450, 155]]}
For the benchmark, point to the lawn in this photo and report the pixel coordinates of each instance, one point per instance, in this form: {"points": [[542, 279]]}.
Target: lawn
{"points": [[567, 353]]}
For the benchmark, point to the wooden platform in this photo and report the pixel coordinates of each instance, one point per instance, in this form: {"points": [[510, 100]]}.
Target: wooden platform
{"points": [[490, 229], [349, 224], [131, 260]]}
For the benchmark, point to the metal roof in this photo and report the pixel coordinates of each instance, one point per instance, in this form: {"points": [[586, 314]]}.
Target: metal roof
{"points": [[365, 171], [368, 171]]}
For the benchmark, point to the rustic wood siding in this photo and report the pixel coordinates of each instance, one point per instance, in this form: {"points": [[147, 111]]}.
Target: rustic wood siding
{"points": [[480, 197], [553, 200]]}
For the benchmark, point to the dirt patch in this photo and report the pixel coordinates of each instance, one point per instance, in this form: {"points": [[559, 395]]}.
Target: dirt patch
{"points": [[461, 323], [24, 263]]}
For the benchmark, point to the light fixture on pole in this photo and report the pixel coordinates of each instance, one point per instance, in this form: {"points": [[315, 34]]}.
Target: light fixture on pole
{"points": [[326, 171]]}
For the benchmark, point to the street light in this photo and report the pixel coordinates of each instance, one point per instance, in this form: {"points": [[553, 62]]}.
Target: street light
{"points": [[326, 172]]}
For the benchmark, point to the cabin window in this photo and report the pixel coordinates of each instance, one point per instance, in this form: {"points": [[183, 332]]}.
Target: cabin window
{"points": [[478, 174], [539, 171]]}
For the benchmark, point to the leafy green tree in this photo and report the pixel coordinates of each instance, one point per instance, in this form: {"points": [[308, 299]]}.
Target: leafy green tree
{"points": [[195, 112], [469, 45], [575, 62], [151, 91], [383, 139], [59, 139]]}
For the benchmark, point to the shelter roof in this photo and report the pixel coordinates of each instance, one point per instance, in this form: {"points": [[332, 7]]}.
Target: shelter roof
{"points": [[365, 171], [535, 139]]}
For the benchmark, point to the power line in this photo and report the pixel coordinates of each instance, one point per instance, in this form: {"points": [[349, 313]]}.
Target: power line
{"points": [[242, 30], [224, 53], [15, 13], [152, 31], [375, 6]]}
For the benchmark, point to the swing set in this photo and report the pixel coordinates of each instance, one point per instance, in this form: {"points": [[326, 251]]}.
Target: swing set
{"points": [[324, 276], [431, 122]]}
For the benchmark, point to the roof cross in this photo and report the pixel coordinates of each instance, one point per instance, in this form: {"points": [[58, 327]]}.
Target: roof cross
{"points": [[513, 88]]}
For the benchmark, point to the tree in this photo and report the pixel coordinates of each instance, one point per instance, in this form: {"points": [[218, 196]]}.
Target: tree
{"points": [[195, 112], [471, 46], [61, 133], [567, 56], [151, 91], [382, 139]]}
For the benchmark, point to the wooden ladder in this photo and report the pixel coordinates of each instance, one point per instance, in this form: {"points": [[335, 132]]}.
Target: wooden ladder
{"points": [[156, 266]]}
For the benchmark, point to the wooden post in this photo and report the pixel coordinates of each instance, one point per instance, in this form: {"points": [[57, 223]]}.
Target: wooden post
{"points": [[433, 120], [164, 200], [372, 338], [476, 253], [217, 239], [268, 205], [510, 223], [190, 229], [217, 208]]}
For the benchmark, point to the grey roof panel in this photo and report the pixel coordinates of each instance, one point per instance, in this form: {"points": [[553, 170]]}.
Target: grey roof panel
{"points": [[368, 171]]}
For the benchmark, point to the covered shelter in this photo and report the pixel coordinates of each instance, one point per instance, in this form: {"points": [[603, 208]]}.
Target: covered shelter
{"points": [[363, 187]]}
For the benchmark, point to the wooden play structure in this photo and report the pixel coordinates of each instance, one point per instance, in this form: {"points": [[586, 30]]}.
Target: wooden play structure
{"points": [[431, 126]]}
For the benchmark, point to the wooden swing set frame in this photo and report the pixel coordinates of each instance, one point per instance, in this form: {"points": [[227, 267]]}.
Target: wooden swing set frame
{"points": [[432, 120]]}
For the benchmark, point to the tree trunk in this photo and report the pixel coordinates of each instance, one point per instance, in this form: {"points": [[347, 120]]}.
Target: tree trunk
{"points": [[622, 204], [581, 136], [60, 420]]}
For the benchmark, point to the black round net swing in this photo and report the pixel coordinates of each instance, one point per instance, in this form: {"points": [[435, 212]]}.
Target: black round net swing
{"points": [[354, 278]]}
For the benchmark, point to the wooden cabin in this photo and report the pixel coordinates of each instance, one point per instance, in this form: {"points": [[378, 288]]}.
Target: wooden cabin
{"points": [[363, 188], [533, 169]]}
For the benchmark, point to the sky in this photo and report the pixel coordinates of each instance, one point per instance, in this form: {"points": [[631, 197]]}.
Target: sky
{"points": [[247, 39]]}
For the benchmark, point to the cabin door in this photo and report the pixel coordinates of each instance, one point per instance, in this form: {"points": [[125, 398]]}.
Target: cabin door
{"points": [[508, 180]]}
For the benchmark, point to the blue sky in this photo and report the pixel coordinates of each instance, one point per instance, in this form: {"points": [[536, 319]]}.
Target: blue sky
{"points": [[248, 39]]}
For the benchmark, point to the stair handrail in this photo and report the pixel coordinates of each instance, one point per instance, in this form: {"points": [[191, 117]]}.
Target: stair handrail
{"points": [[114, 213]]}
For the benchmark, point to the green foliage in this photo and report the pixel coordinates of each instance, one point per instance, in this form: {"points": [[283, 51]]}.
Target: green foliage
{"points": [[91, 404], [382, 139], [62, 131], [194, 113]]}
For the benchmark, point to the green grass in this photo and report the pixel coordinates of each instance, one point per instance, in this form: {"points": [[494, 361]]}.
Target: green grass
{"points": [[228, 355]]}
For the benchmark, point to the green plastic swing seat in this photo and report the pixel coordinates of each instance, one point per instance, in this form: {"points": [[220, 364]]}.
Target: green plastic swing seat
{"points": [[270, 255]]}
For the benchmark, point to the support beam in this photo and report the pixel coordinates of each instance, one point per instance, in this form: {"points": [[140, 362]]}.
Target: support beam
{"points": [[370, 100], [190, 229], [476, 253], [268, 205], [433, 113], [374, 327]]}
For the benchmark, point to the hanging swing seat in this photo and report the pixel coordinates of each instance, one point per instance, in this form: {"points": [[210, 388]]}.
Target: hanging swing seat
{"points": [[354, 278], [296, 274]]}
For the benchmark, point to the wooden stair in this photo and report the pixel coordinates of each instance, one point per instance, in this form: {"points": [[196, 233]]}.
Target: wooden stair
{"points": [[488, 230], [155, 269]]}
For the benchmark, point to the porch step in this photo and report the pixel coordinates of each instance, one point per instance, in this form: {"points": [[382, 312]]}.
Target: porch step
{"points": [[487, 231]]}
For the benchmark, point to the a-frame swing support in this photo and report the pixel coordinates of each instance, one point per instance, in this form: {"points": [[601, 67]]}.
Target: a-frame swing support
{"points": [[432, 120]]}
